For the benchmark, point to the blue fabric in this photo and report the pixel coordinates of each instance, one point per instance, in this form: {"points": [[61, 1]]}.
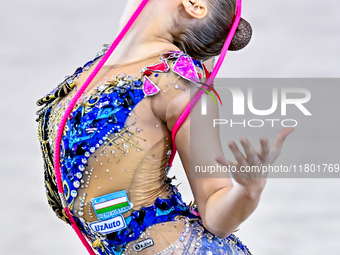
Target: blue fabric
{"points": [[164, 210], [89, 124], [102, 114]]}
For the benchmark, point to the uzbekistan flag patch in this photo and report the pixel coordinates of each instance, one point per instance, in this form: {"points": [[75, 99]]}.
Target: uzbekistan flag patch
{"points": [[111, 205]]}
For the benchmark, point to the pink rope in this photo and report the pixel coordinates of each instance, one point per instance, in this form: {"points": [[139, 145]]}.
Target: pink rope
{"points": [[70, 108], [210, 80], [92, 76], [78, 232]]}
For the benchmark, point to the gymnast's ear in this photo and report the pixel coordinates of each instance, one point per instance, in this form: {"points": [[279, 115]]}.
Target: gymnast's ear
{"points": [[195, 8]]}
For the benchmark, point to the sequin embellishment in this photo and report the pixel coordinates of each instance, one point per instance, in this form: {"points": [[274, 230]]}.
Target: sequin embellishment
{"points": [[99, 116], [98, 124], [150, 89], [185, 67]]}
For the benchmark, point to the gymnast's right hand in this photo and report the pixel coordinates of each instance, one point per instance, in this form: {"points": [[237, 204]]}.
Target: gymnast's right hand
{"points": [[254, 182]]}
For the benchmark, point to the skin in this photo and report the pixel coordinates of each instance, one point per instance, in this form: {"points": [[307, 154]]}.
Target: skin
{"points": [[222, 205], [151, 32]]}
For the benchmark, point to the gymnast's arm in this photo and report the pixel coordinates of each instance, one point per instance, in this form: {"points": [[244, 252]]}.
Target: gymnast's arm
{"points": [[222, 205]]}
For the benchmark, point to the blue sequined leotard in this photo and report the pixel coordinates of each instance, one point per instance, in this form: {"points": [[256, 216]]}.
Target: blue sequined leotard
{"points": [[115, 155]]}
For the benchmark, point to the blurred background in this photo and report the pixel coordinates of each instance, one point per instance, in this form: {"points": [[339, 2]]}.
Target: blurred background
{"points": [[42, 41]]}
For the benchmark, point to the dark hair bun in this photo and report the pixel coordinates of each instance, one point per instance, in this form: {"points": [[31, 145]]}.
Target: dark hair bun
{"points": [[242, 36]]}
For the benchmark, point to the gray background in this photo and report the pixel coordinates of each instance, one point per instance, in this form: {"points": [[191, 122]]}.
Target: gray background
{"points": [[41, 41]]}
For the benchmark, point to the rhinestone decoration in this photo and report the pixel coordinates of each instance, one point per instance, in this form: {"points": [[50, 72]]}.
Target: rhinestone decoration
{"points": [[185, 67], [150, 89], [97, 125]]}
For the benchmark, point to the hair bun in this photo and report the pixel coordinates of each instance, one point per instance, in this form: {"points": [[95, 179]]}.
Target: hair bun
{"points": [[242, 36]]}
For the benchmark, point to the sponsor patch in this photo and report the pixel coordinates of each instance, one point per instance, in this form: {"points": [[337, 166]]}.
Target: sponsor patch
{"points": [[111, 205], [143, 245], [109, 226]]}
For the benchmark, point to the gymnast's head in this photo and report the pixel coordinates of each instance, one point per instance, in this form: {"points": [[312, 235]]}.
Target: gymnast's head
{"points": [[202, 27]]}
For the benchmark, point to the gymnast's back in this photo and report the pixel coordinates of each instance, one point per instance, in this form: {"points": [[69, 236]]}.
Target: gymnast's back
{"points": [[115, 153]]}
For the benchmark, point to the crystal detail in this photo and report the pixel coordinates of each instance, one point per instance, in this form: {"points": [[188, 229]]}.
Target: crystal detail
{"points": [[161, 67], [74, 193], [185, 67], [149, 88], [76, 184]]}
